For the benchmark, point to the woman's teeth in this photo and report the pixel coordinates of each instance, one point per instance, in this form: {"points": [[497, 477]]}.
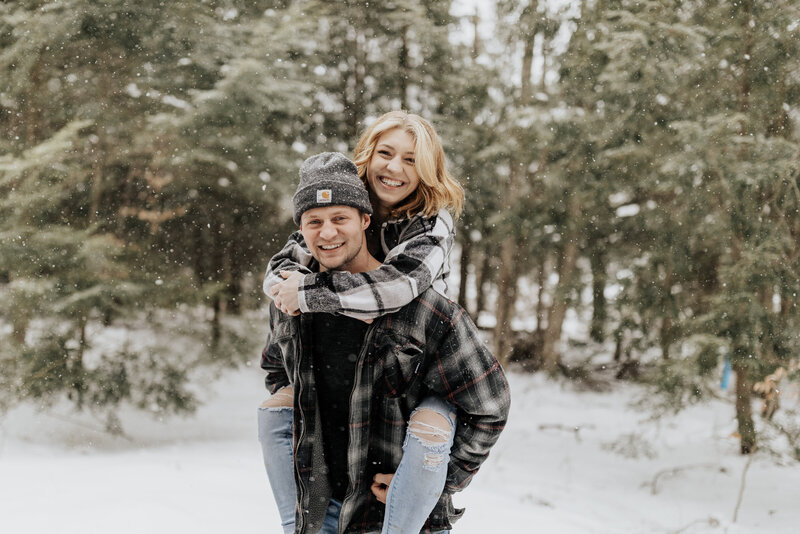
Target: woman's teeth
{"points": [[390, 182]]}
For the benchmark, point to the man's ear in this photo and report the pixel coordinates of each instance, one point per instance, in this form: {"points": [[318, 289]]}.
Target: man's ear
{"points": [[365, 220]]}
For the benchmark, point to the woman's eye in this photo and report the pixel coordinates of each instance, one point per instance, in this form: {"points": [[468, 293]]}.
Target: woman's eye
{"points": [[384, 153], [410, 161]]}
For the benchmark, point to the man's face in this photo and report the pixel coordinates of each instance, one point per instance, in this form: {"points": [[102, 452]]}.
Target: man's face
{"points": [[334, 235]]}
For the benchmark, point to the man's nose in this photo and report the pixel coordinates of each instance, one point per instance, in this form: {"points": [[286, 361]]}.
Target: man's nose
{"points": [[328, 230]]}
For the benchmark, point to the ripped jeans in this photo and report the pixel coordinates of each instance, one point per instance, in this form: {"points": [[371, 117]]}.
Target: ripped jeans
{"points": [[415, 488]]}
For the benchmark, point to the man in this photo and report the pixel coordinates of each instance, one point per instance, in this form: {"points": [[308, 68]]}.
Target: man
{"points": [[353, 387]]}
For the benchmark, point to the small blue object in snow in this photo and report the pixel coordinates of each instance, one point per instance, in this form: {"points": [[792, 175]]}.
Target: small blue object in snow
{"points": [[726, 373]]}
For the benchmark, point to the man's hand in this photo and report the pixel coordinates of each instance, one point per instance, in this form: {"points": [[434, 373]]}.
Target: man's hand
{"points": [[284, 294], [380, 486]]}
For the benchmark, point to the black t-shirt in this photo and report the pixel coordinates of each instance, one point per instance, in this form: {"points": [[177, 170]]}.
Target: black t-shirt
{"points": [[337, 344]]}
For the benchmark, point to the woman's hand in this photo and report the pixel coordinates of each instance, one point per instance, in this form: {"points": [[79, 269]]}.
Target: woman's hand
{"points": [[284, 294], [380, 486]]}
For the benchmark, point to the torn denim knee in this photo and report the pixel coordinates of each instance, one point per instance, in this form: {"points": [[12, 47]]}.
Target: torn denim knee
{"points": [[436, 450]]}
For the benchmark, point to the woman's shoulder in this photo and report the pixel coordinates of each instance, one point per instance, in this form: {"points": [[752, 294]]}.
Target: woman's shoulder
{"points": [[441, 224]]}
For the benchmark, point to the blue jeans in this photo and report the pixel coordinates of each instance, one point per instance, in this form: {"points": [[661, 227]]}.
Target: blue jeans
{"points": [[415, 488], [275, 434]]}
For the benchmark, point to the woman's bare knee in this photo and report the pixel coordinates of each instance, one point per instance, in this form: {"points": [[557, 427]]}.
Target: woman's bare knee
{"points": [[429, 427], [283, 398]]}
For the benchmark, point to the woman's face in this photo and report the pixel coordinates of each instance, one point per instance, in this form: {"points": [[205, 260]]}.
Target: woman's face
{"points": [[391, 173]]}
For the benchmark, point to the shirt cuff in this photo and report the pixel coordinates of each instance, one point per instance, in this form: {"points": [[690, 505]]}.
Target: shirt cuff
{"points": [[301, 296]]}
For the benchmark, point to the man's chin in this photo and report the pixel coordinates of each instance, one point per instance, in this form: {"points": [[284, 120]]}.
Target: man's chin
{"points": [[330, 267], [332, 264]]}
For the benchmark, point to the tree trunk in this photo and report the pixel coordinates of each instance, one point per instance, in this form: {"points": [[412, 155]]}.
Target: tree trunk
{"points": [[528, 22], [744, 387], [527, 60], [81, 338], [404, 68], [476, 41], [744, 414], [466, 259], [354, 105], [482, 277], [97, 180], [232, 270], [19, 326], [599, 312], [508, 269], [551, 350], [506, 296], [545, 55], [540, 280], [216, 323], [103, 91], [667, 334], [509, 262], [32, 114]]}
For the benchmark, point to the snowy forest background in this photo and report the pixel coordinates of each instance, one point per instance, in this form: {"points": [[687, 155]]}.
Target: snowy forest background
{"points": [[631, 168]]}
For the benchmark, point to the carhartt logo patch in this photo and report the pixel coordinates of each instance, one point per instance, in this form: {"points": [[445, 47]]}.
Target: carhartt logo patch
{"points": [[323, 195]]}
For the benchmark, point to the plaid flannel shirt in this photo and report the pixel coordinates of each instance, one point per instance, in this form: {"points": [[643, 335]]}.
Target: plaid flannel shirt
{"points": [[428, 347], [417, 257]]}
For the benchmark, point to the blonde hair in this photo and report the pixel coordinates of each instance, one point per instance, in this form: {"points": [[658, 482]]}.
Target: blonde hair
{"points": [[437, 188]]}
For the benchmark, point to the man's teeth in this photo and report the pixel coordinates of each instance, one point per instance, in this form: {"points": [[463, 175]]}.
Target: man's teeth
{"points": [[330, 247], [390, 182]]}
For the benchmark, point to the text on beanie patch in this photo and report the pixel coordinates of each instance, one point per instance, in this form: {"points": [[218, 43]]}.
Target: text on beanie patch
{"points": [[323, 195]]}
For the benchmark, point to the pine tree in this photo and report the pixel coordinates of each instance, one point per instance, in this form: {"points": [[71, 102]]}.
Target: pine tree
{"points": [[148, 170], [73, 104], [746, 152], [705, 229]]}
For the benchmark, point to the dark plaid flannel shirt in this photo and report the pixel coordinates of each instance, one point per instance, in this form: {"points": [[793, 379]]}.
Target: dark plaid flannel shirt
{"points": [[429, 347], [417, 257]]}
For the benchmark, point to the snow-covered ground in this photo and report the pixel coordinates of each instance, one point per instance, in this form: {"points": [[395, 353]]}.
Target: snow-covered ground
{"points": [[569, 462]]}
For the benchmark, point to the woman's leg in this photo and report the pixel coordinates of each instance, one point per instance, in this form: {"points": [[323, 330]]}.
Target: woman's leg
{"points": [[418, 483], [275, 421]]}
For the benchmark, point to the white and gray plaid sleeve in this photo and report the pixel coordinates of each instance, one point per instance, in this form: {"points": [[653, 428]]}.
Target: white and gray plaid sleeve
{"points": [[410, 268], [294, 256]]}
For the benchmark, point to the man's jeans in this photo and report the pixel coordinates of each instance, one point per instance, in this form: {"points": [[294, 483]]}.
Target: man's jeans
{"points": [[413, 493]]}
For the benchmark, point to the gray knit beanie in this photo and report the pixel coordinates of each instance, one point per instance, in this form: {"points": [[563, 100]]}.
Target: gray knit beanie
{"points": [[329, 179]]}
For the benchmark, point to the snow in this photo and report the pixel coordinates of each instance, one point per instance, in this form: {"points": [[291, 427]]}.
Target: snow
{"points": [[570, 461]]}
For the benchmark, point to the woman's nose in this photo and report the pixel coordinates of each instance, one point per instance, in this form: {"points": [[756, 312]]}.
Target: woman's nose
{"points": [[394, 164]]}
